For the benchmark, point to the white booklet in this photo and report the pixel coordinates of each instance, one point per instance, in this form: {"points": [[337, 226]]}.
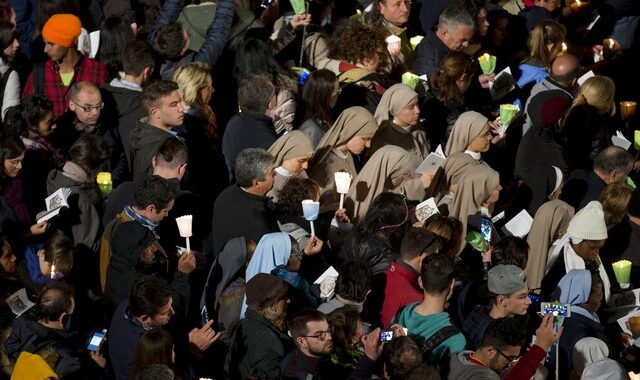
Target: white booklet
{"points": [[425, 209], [520, 224], [55, 202], [19, 302], [503, 84], [619, 140], [327, 282], [586, 76], [432, 162]]}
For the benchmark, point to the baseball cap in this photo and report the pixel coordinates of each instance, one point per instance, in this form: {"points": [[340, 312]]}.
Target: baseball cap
{"points": [[502, 279]]}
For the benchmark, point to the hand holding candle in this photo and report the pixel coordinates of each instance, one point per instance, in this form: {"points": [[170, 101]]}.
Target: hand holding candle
{"points": [[622, 270], [610, 48], [393, 45], [184, 226], [311, 209], [487, 63], [104, 182], [343, 181]]}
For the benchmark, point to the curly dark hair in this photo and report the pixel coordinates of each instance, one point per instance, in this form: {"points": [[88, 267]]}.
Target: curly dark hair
{"points": [[354, 42], [294, 191]]}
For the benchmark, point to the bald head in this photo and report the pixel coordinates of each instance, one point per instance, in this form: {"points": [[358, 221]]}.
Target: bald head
{"points": [[86, 102], [564, 70]]}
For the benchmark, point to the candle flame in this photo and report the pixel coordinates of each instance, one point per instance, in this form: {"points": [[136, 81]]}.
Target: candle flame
{"points": [[611, 43], [53, 270], [564, 47], [578, 3]]}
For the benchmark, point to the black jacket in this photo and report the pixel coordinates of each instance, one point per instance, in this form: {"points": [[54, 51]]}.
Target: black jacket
{"points": [[429, 53], [257, 348], [581, 188], [534, 16], [145, 141], [575, 328], [29, 335], [246, 130], [122, 110], [374, 251], [66, 134], [585, 134], [238, 213], [207, 173]]}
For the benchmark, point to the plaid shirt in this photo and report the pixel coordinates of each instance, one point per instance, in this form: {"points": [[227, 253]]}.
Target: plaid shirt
{"points": [[86, 69]]}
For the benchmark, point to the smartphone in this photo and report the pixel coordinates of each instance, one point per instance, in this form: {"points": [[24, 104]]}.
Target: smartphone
{"points": [[486, 228], [555, 309], [386, 335], [96, 340]]}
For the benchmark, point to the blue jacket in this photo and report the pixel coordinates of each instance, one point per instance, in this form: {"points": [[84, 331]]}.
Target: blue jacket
{"points": [[33, 264]]}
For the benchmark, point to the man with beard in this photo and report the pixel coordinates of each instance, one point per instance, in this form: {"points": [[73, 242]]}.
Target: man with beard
{"points": [[312, 334], [500, 350]]}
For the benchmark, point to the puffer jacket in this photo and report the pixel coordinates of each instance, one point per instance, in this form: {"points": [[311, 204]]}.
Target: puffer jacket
{"points": [[30, 336]]}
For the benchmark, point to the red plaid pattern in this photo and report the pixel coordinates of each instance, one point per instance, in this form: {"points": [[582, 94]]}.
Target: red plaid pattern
{"points": [[86, 69]]}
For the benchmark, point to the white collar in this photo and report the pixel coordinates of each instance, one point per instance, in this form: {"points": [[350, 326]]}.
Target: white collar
{"points": [[475, 155], [340, 153], [282, 171]]}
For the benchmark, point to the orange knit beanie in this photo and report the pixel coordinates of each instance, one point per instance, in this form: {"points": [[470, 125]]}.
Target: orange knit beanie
{"points": [[62, 29]]}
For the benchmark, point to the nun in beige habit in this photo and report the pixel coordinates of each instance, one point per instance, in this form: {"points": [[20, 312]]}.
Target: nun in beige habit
{"points": [[477, 192], [350, 134], [470, 136], [549, 224], [292, 153], [398, 115], [389, 169]]}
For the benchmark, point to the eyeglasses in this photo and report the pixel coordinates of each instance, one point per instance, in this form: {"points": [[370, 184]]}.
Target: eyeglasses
{"points": [[320, 335], [510, 359], [98, 106]]}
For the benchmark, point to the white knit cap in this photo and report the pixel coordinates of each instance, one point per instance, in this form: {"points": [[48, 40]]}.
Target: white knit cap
{"points": [[588, 223]]}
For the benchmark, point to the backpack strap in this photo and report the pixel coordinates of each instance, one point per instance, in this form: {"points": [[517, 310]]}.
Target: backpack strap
{"points": [[438, 338], [3, 84], [38, 79]]}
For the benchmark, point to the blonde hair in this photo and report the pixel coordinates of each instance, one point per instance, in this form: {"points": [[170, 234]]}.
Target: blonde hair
{"points": [[191, 79], [598, 92], [615, 199], [543, 34]]}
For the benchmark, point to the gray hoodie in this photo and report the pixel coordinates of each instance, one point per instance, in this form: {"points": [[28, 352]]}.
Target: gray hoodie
{"points": [[463, 369]]}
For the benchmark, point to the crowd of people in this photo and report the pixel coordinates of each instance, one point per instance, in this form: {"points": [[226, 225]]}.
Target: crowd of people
{"points": [[161, 160]]}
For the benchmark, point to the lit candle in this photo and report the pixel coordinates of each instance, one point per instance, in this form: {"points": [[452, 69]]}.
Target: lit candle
{"points": [[564, 47], [610, 47], [627, 110], [104, 182], [53, 271]]}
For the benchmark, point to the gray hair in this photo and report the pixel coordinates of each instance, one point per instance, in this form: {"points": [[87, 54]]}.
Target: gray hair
{"points": [[455, 17], [252, 165]]}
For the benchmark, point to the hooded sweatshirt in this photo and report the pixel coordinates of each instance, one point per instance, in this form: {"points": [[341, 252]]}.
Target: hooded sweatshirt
{"points": [[421, 328], [124, 104], [145, 141]]}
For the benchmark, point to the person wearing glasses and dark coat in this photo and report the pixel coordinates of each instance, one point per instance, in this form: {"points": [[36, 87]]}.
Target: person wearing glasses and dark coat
{"points": [[84, 116]]}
